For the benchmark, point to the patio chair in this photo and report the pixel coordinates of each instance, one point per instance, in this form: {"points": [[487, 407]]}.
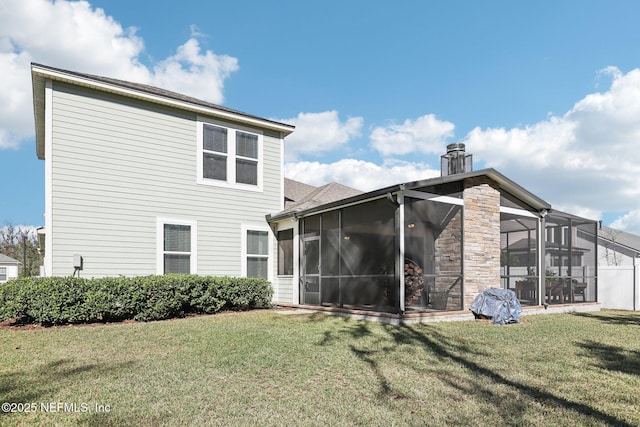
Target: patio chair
{"points": [[578, 289], [554, 291]]}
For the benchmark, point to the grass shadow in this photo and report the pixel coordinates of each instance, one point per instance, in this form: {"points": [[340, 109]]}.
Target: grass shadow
{"points": [[33, 386], [612, 358], [621, 318], [450, 350]]}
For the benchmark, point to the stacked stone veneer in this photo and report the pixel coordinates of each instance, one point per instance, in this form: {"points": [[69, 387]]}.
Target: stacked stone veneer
{"points": [[481, 231], [448, 263]]}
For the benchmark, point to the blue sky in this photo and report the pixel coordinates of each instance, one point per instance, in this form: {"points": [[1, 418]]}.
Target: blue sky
{"points": [[546, 92]]}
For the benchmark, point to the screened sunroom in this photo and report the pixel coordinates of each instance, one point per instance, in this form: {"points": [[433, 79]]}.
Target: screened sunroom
{"points": [[434, 245], [568, 258], [351, 256]]}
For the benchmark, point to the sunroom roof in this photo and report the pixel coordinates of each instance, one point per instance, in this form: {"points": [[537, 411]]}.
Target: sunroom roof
{"points": [[504, 183]]}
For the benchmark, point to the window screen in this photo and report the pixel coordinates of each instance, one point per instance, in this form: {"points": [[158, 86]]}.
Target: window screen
{"points": [[177, 248], [285, 252], [215, 139], [257, 253], [214, 166], [246, 145], [246, 172]]}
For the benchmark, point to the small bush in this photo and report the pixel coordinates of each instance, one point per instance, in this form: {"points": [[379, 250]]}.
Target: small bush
{"points": [[69, 300]]}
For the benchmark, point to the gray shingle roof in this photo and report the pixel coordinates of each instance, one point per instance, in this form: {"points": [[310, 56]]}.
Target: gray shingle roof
{"points": [[303, 196], [8, 260], [155, 91], [623, 238], [294, 191]]}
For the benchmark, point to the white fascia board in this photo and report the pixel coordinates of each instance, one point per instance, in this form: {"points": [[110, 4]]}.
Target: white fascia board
{"points": [[83, 81], [48, 179], [520, 212], [433, 197]]}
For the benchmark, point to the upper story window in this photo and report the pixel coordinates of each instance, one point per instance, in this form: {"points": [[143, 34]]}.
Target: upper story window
{"points": [[229, 157]]}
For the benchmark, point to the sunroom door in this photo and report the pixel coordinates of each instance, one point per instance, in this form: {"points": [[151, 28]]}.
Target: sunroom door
{"points": [[310, 281]]}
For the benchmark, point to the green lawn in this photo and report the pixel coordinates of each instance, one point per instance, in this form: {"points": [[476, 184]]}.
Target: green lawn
{"points": [[265, 368]]}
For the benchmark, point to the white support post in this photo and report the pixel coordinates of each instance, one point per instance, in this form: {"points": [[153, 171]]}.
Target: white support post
{"points": [[400, 200], [541, 267]]}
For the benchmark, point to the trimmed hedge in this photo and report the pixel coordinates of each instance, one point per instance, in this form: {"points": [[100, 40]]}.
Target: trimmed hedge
{"points": [[71, 300]]}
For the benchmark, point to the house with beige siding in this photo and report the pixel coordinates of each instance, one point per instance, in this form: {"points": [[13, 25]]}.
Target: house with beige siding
{"points": [[142, 181]]}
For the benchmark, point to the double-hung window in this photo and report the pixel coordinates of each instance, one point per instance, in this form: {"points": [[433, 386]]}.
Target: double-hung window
{"points": [[176, 247], [229, 157], [3, 274], [255, 251], [246, 158], [215, 153]]}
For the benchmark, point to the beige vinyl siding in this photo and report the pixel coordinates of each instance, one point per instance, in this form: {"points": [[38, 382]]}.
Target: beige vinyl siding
{"points": [[119, 164], [284, 290]]}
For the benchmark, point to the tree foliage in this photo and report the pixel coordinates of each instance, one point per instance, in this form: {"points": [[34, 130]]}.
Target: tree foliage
{"points": [[21, 243]]}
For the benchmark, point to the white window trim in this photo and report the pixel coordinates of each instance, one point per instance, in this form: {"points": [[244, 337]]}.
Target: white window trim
{"points": [[231, 156], [243, 248], [4, 271], [160, 222]]}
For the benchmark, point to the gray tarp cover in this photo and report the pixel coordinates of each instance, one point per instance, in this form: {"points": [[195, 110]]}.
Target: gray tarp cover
{"points": [[500, 305]]}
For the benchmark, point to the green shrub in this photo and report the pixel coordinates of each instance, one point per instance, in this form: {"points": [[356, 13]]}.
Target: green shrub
{"points": [[64, 300]]}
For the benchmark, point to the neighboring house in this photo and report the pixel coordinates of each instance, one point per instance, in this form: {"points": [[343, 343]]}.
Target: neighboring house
{"points": [[9, 268], [616, 247], [139, 180], [144, 181], [619, 269]]}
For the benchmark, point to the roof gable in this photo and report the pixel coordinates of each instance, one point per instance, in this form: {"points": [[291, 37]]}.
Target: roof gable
{"points": [[4, 259], [294, 191], [303, 196], [41, 73]]}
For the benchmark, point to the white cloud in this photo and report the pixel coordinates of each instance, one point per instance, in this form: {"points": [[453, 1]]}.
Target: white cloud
{"points": [[74, 35], [537, 146], [629, 222], [587, 160], [318, 133], [191, 72], [359, 174], [426, 134]]}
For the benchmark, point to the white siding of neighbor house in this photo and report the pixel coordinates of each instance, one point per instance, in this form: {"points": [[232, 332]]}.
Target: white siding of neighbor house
{"points": [[610, 254], [119, 164], [12, 272]]}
